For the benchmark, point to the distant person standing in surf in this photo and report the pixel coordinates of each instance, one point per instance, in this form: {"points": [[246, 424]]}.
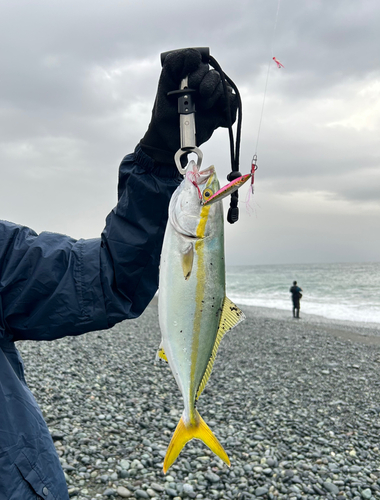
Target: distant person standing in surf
{"points": [[296, 297]]}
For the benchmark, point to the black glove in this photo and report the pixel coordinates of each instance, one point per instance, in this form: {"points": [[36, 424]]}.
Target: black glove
{"points": [[162, 140]]}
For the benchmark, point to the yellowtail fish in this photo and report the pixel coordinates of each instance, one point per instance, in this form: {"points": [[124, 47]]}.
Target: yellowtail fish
{"points": [[194, 312]]}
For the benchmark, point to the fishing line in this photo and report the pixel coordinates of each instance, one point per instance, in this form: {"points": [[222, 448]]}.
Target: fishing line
{"points": [[267, 79], [262, 109]]}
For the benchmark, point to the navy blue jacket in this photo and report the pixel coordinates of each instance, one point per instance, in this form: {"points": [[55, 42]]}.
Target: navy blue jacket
{"points": [[52, 286]]}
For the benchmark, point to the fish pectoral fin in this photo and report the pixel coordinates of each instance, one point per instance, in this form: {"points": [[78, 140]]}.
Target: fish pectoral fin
{"points": [[185, 433], [230, 317], [187, 261]]}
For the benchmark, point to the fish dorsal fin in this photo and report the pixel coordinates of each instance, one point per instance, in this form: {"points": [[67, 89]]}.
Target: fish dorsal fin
{"points": [[161, 354], [230, 317]]}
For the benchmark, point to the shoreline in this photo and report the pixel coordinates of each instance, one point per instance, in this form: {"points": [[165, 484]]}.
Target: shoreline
{"points": [[367, 333]]}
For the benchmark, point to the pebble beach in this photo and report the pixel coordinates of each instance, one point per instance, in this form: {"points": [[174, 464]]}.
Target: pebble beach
{"points": [[295, 403]]}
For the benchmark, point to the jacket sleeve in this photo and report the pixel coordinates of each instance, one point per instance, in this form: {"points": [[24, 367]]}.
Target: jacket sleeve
{"points": [[52, 286]]}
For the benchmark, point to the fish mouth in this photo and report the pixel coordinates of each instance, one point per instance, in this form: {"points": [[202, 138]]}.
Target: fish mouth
{"points": [[200, 176], [204, 175]]}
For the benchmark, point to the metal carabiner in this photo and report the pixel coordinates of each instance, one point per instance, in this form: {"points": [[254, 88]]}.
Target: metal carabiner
{"points": [[181, 152]]}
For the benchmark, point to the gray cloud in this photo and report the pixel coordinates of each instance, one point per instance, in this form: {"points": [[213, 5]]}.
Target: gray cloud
{"points": [[78, 82]]}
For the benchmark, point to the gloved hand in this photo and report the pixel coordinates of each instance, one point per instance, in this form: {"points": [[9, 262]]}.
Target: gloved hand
{"points": [[162, 140]]}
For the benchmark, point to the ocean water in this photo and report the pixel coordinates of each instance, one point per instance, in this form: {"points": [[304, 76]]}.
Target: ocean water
{"points": [[349, 292]]}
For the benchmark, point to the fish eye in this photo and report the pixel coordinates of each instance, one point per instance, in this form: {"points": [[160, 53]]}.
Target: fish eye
{"points": [[207, 193]]}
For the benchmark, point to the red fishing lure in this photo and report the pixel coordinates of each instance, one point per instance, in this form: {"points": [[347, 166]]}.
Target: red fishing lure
{"points": [[279, 65]]}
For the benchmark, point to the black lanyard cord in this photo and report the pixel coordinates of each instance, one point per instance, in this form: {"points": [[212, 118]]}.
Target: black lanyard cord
{"points": [[233, 212]]}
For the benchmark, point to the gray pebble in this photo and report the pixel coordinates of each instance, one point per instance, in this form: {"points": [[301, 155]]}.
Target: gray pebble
{"points": [[109, 492], [261, 491], [271, 462], [124, 464], [188, 490], [124, 492], [331, 487], [141, 494], [355, 469], [212, 477], [57, 435], [157, 487], [171, 492], [367, 494]]}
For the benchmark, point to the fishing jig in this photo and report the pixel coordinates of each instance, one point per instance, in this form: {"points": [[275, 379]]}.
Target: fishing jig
{"points": [[279, 65]]}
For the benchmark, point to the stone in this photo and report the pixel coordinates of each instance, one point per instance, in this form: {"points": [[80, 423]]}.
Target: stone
{"points": [[261, 491], [212, 477], [124, 464], [67, 468], [123, 492], [136, 464], [188, 489], [331, 487], [73, 491], [355, 469], [366, 494], [109, 492], [57, 435], [271, 462], [141, 494], [157, 487]]}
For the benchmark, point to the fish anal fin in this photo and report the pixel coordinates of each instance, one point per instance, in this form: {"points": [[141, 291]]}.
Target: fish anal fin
{"points": [[161, 354], [187, 261], [230, 317], [185, 433]]}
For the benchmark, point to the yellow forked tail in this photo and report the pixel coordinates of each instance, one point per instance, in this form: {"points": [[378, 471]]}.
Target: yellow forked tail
{"points": [[183, 434]]}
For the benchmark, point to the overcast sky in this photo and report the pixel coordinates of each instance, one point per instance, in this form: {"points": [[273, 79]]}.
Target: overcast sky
{"points": [[77, 84]]}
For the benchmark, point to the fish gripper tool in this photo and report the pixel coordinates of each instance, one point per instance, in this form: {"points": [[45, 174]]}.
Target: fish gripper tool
{"points": [[186, 110]]}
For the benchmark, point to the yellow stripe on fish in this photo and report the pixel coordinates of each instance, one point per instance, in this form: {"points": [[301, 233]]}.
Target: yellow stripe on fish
{"points": [[199, 249], [202, 223]]}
